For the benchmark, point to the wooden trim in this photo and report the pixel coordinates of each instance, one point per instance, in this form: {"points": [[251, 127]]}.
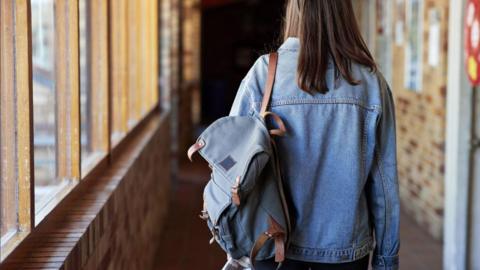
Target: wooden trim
{"points": [[124, 93], [143, 57], [139, 40], [24, 114], [155, 49], [99, 74], [16, 123], [119, 65], [110, 117], [148, 54], [67, 89], [7, 114], [133, 63]]}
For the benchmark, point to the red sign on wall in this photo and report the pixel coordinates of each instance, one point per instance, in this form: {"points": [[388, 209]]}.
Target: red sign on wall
{"points": [[472, 41]]}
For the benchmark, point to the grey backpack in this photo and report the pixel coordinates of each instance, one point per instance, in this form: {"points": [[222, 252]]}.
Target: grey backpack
{"points": [[244, 201]]}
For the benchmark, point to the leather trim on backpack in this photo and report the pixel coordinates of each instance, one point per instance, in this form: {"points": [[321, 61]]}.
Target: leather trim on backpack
{"points": [[275, 232]]}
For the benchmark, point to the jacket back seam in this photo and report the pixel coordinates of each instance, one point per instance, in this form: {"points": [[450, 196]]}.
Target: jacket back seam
{"points": [[286, 102]]}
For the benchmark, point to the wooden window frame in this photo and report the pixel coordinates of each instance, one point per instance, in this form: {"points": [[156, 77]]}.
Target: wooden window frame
{"points": [[99, 83], [154, 49], [134, 53], [119, 75], [16, 94], [140, 86], [67, 88], [150, 53], [112, 79], [67, 107]]}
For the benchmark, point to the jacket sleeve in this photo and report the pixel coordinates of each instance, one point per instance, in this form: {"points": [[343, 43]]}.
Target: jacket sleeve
{"points": [[243, 103], [382, 187]]}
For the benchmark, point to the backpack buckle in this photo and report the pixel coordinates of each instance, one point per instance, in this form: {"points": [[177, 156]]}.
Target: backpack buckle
{"points": [[204, 215], [215, 236], [235, 192]]}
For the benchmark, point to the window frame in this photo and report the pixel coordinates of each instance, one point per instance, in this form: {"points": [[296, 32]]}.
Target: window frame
{"points": [[119, 69], [99, 84], [67, 107], [109, 82], [16, 87]]}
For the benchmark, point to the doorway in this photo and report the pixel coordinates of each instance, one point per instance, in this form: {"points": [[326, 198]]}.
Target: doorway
{"points": [[234, 34]]}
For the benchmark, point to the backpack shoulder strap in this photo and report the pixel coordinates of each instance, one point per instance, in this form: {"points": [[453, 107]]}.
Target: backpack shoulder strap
{"points": [[272, 70]]}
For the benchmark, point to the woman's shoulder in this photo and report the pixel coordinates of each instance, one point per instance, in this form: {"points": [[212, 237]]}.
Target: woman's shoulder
{"points": [[256, 76], [372, 81]]}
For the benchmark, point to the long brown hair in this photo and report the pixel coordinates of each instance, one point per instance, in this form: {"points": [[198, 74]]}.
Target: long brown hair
{"points": [[325, 28]]}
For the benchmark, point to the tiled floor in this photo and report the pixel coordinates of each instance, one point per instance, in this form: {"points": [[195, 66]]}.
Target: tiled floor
{"points": [[186, 236], [418, 250], [185, 239]]}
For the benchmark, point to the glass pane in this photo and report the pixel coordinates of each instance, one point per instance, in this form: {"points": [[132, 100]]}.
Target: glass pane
{"points": [[44, 105], [118, 110], [84, 82]]}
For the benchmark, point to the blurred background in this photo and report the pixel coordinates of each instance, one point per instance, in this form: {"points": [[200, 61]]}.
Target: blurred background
{"points": [[428, 51]]}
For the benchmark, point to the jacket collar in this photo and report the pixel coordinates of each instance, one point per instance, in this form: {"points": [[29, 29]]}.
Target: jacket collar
{"points": [[291, 44]]}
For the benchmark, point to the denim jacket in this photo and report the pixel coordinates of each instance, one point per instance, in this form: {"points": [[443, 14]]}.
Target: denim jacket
{"points": [[338, 160]]}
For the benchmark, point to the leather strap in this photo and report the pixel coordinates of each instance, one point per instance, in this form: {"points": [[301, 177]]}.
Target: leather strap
{"points": [[272, 70], [194, 148], [275, 232], [281, 130], [279, 177], [259, 243], [279, 238]]}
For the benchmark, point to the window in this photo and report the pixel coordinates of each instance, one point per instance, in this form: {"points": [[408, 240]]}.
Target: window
{"points": [[94, 79], [63, 104], [134, 27], [44, 102], [55, 101]]}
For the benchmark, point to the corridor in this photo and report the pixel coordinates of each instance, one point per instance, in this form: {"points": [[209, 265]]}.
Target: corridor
{"points": [[100, 101]]}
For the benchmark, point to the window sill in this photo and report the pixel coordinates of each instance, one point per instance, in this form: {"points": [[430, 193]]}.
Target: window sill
{"points": [[52, 201], [91, 162], [10, 242], [78, 219]]}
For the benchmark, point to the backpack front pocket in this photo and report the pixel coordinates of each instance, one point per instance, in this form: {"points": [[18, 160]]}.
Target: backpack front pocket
{"points": [[216, 205], [216, 201]]}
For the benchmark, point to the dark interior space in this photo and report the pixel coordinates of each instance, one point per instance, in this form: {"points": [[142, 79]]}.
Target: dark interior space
{"points": [[234, 35]]}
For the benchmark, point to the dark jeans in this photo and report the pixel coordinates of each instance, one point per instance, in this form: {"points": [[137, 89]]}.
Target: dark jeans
{"points": [[361, 264]]}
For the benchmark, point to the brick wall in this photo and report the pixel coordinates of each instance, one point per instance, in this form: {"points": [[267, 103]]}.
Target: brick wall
{"points": [[138, 210], [421, 119]]}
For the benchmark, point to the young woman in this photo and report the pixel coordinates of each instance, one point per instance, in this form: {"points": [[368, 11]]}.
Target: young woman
{"points": [[339, 155]]}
